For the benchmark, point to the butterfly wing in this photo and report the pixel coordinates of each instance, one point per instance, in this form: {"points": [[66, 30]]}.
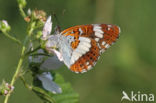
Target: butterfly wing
{"points": [[89, 41]]}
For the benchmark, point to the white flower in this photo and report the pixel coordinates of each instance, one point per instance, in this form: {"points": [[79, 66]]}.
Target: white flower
{"points": [[48, 84], [51, 63], [47, 64], [47, 28], [51, 39], [55, 52], [37, 59], [58, 54]]}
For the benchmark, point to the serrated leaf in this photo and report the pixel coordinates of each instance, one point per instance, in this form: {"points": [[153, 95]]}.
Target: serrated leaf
{"points": [[68, 95]]}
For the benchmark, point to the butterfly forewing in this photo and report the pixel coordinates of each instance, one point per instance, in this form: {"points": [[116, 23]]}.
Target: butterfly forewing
{"points": [[88, 42]]}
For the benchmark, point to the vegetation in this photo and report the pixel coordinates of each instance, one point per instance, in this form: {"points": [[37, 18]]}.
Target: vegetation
{"points": [[128, 65]]}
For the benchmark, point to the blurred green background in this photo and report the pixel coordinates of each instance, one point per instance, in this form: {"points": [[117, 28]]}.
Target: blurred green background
{"points": [[129, 65]]}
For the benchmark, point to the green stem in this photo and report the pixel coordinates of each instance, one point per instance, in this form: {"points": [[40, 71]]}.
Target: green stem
{"points": [[19, 63], [12, 38], [30, 52], [47, 97], [44, 94], [25, 83], [19, 66], [22, 11], [36, 54], [16, 72]]}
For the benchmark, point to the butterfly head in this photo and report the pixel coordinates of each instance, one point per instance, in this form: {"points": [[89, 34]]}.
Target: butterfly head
{"points": [[52, 42]]}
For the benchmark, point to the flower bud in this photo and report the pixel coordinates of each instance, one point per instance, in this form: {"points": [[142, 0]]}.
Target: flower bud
{"points": [[39, 34], [6, 88], [29, 12], [4, 26], [39, 15], [22, 3]]}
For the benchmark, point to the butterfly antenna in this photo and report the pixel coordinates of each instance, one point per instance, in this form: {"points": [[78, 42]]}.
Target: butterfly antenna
{"points": [[57, 28]]}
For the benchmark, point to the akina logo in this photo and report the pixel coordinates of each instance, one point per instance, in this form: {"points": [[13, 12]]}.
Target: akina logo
{"points": [[137, 96]]}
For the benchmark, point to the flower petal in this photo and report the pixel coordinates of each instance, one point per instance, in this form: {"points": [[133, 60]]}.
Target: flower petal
{"points": [[37, 59], [51, 63], [47, 28], [48, 84]]}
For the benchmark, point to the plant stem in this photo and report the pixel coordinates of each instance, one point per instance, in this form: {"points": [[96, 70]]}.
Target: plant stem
{"points": [[12, 38], [22, 11], [19, 66], [30, 52], [25, 83], [40, 54], [16, 73], [19, 63], [44, 94]]}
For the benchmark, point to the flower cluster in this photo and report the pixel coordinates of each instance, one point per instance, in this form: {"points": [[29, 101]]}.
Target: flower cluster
{"points": [[6, 88], [47, 63]]}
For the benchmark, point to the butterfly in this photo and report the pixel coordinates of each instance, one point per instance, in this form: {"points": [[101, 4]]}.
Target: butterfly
{"points": [[80, 47]]}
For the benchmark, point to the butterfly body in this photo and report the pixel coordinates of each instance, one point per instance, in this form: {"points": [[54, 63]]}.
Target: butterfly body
{"points": [[81, 46]]}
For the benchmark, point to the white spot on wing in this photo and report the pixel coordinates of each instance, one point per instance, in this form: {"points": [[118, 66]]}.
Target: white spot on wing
{"points": [[107, 45], [103, 43], [101, 51], [100, 35], [99, 45], [84, 39], [83, 71], [89, 67], [76, 72], [75, 56], [86, 44], [97, 28], [80, 51], [96, 39], [87, 63], [109, 27], [81, 47], [80, 30]]}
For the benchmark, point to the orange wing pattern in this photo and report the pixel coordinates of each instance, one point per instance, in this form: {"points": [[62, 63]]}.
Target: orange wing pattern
{"points": [[89, 42]]}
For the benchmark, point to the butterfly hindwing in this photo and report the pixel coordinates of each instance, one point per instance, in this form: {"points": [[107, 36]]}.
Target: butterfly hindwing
{"points": [[88, 60]]}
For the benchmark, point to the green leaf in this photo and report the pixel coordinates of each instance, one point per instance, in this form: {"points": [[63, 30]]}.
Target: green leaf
{"points": [[68, 95]]}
